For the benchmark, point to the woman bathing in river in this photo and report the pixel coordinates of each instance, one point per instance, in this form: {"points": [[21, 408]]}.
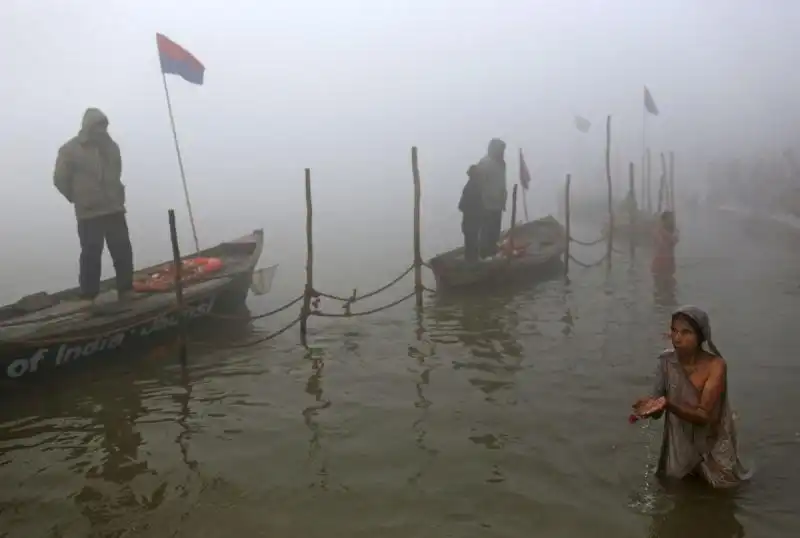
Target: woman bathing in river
{"points": [[691, 386], [665, 237]]}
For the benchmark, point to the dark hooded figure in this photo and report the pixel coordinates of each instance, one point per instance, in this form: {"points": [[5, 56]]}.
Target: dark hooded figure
{"points": [[492, 172], [471, 207], [88, 173]]}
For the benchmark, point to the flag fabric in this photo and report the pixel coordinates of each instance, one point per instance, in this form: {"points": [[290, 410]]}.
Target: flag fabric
{"points": [[582, 124], [176, 60], [261, 281], [649, 103], [524, 173]]}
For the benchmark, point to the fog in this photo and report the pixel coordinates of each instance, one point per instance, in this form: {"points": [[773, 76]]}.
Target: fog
{"points": [[346, 87]]}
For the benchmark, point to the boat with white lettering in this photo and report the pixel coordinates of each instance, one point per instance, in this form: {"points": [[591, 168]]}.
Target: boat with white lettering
{"points": [[45, 333]]}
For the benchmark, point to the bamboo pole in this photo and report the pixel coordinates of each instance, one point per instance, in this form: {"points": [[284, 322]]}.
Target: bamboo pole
{"points": [[672, 181], [567, 224], [663, 187], [513, 220], [648, 177], [309, 288], [176, 260], [610, 245], [417, 247], [632, 225]]}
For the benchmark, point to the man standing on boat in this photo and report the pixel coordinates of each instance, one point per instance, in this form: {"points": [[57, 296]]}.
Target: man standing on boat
{"points": [[494, 193], [88, 173]]}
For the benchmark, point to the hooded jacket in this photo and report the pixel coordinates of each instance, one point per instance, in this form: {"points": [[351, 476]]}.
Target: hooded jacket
{"points": [[492, 169], [88, 169]]}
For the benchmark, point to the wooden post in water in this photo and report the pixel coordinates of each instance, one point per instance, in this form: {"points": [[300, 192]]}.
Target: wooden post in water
{"points": [[648, 177], [567, 224], [632, 224], [663, 187], [672, 181], [610, 244], [176, 260], [417, 248], [309, 288], [513, 221]]}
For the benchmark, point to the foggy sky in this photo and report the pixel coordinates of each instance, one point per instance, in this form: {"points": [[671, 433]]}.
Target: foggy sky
{"points": [[347, 86]]}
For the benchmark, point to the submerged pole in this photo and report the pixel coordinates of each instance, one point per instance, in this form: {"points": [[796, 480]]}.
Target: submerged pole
{"points": [[176, 260], [632, 224], [309, 288], [513, 220], [418, 288], [672, 182], [610, 243], [567, 224]]}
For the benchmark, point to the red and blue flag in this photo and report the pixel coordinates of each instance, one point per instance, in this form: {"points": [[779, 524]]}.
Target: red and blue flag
{"points": [[176, 60]]}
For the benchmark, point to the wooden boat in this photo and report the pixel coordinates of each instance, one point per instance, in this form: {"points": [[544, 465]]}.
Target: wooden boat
{"points": [[538, 246], [44, 333]]}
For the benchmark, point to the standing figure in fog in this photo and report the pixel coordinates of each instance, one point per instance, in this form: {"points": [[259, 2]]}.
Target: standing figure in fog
{"points": [[88, 174], [471, 207], [491, 172], [691, 386]]}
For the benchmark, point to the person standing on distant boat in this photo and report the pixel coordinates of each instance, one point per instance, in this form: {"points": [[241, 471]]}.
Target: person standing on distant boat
{"points": [[494, 194], [471, 207], [88, 174]]}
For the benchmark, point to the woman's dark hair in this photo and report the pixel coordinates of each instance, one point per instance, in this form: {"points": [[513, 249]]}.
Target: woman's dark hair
{"points": [[693, 324]]}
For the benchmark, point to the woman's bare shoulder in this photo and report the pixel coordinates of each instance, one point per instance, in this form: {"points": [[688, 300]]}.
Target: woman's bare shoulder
{"points": [[715, 363]]}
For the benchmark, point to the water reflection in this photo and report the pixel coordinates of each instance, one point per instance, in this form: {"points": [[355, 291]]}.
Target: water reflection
{"points": [[421, 353], [698, 511], [484, 325], [665, 290], [314, 388]]}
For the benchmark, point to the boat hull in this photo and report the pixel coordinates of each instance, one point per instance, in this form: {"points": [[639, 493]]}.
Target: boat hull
{"points": [[32, 357], [547, 241]]}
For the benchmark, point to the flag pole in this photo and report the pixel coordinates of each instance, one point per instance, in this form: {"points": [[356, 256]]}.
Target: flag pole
{"points": [[180, 161]]}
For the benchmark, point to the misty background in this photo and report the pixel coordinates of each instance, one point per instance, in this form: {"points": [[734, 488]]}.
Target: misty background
{"points": [[346, 87]]}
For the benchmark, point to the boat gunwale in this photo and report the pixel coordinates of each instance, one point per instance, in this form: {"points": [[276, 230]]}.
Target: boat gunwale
{"points": [[142, 312]]}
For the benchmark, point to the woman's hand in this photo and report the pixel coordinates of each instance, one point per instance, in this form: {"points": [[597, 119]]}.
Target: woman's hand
{"points": [[645, 407]]}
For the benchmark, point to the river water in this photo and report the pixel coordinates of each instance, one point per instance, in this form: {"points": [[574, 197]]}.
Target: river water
{"points": [[502, 416]]}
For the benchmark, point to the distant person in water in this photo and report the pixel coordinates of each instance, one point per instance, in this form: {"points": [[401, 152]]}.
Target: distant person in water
{"points": [[691, 385], [491, 171], [88, 174], [665, 237], [471, 207]]}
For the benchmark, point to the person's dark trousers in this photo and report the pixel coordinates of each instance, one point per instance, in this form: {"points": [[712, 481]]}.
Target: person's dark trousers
{"points": [[94, 233], [471, 228], [490, 232]]}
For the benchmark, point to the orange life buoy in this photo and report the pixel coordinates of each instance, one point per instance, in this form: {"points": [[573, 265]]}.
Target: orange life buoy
{"points": [[163, 278]]}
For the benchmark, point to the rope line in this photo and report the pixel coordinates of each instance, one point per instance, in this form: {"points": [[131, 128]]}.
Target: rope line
{"points": [[589, 243], [259, 316], [588, 265], [354, 298], [366, 312]]}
